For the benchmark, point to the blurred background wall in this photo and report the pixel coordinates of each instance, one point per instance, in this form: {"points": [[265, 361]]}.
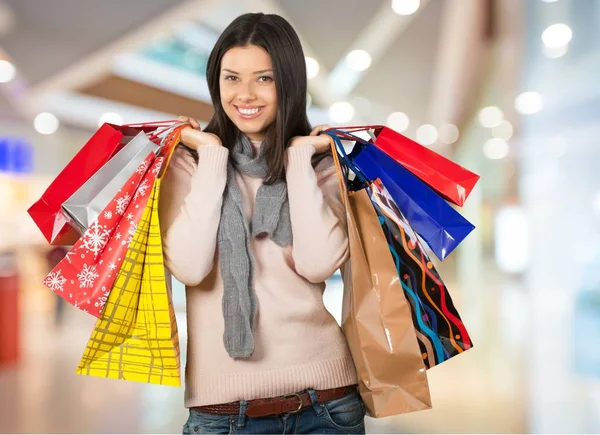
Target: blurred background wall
{"points": [[508, 88]]}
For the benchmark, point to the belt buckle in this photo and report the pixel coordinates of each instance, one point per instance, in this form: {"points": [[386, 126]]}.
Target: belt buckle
{"points": [[297, 396]]}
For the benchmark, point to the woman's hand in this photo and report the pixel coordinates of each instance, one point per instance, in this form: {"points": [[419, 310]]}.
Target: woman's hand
{"points": [[193, 137], [321, 142]]}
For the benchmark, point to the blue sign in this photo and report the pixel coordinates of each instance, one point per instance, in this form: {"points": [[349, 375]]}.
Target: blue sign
{"points": [[16, 155]]}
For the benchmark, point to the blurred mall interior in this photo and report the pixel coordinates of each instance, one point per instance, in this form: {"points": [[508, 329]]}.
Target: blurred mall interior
{"points": [[507, 88]]}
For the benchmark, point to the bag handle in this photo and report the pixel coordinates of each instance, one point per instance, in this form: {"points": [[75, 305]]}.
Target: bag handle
{"points": [[336, 135], [151, 124], [355, 128], [337, 148], [168, 146], [166, 131]]}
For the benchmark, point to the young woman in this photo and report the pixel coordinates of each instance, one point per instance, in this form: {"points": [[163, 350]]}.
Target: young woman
{"points": [[253, 225]]}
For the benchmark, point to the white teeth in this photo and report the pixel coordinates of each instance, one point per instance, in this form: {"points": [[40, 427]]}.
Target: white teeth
{"points": [[248, 111]]}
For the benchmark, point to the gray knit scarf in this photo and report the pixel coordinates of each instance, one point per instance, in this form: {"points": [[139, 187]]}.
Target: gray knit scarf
{"points": [[271, 218]]}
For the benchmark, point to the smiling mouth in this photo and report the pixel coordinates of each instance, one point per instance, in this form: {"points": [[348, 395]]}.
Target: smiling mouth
{"points": [[249, 113]]}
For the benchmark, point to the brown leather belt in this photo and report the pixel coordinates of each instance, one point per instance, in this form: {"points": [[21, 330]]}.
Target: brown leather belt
{"points": [[290, 404]]}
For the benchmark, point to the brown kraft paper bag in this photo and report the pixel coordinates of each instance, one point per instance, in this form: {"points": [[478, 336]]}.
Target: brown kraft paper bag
{"points": [[376, 317]]}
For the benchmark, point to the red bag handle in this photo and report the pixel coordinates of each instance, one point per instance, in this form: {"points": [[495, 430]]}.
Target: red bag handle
{"points": [[151, 124], [354, 128]]}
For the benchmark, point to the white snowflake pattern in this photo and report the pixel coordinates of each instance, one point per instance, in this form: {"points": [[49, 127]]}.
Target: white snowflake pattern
{"points": [[87, 276], [107, 215], [102, 299], [129, 216], [130, 234], [118, 236], [55, 281], [122, 203], [143, 167], [95, 238], [142, 190], [68, 255], [157, 166], [112, 265]]}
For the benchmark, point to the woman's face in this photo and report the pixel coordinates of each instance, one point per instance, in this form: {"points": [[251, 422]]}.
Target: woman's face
{"points": [[247, 90]]}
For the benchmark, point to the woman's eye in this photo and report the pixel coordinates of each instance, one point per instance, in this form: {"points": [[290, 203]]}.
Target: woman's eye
{"points": [[231, 78], [265, 79]]}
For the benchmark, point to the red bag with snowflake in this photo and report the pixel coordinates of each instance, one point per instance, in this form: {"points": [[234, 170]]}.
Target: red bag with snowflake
{"points": [[86, 275]]}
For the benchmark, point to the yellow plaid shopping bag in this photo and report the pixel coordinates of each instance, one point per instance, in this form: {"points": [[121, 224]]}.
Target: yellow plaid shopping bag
{"points": [[136, 337]]}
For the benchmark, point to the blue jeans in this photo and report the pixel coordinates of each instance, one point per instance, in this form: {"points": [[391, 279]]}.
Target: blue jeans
{"points": [[338, 416]]}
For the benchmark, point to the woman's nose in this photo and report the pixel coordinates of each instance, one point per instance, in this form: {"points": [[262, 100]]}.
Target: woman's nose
{"points": [[246, 92]]}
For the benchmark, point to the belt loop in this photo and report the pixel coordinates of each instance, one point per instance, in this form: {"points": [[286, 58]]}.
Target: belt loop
{"points": [[241, 420], [318, 407]]}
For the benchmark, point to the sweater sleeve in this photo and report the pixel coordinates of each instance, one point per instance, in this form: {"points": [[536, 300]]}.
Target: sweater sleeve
{"points": [[317, 215], [190, 211]]}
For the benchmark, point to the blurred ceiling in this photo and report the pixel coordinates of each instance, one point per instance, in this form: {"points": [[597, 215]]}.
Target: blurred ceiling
{"points": [[107, 52], [48, 36]]}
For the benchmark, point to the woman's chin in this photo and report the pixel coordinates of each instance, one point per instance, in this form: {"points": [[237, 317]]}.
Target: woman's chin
{"points": [[252, 130]]}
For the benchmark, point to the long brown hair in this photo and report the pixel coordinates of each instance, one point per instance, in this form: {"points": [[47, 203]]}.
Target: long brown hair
{"points": [[275, 35]]}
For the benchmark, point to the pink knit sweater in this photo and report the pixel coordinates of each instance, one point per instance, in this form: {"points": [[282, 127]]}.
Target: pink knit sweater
{"points": [[299, 345]]}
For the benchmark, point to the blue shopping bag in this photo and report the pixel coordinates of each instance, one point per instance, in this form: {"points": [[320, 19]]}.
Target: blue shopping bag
{"points": [[436, 222]]}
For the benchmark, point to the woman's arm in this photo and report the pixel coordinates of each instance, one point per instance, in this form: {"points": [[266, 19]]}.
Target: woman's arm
{"points": [[317, 215], [191, 196]]}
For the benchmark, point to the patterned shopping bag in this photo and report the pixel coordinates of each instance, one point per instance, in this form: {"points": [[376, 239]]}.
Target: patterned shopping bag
{"points": [[87, 273], [136, 337], [440, 331]]}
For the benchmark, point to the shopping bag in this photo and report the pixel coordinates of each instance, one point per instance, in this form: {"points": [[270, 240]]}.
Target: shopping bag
{"points": [[136, 337], [86, 204], [87, 273], [440, 226], [47, 212], [440, 331], [449, 179], [376, 318]]}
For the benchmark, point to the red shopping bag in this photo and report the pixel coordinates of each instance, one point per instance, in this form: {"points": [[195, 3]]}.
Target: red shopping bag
{"points": [[447, 178], [86, 275], [47, 212]]}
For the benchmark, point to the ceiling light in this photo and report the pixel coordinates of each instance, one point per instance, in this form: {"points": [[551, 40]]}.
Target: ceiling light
{"points": [[341, 112], [110, 118], [504, 130], [490, 116], [529, 103], [405, 7], [398, 121], [427, 134], [46, 123], [7, 71], [495, 149], [358, 60], [555, 52], [449, 133], [557, 35], [312, 67]]}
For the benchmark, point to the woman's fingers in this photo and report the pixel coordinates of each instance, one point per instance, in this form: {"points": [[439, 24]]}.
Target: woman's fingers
{"points": [[318, 129], [192, 121]]}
